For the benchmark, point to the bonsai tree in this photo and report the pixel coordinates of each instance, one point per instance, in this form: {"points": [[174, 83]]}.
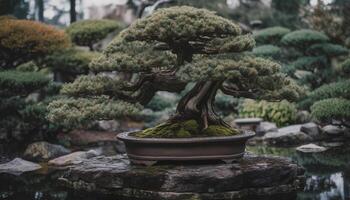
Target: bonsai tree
{"points": [[89, 32], [166, 51], [25, 40]]}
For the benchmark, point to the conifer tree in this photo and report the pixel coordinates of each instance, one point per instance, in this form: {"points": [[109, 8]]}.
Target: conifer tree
{"points": [[22, 41], [165, 52]]}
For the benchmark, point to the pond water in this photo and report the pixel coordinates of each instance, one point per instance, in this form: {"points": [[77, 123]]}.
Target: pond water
{"points": [[327, 173], [328, 178]]}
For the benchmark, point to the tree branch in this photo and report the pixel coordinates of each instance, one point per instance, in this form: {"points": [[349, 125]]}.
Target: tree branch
{"points": [[237, 93]]}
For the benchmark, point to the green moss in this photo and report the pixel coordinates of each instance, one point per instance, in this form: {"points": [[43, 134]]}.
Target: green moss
{"points": [[185, 129], [217, 130]]}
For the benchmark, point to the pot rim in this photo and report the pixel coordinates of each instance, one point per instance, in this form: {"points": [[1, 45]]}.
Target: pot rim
{"points": [[125, 136]]}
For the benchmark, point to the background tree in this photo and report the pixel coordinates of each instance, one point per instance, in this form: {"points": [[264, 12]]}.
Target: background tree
{"points": [[307, 55], [68, 63], [39, 10], [25, 40], [22, 41], [165, 52], [316, 56], [332, 19], [89, 32], [72, 11], [16, 8]]}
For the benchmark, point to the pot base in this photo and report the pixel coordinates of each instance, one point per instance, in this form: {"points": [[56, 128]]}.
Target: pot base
{"points": [[148, 151]]}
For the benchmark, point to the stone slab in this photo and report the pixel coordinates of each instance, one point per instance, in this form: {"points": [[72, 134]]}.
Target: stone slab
{"points": [[250, 177]]}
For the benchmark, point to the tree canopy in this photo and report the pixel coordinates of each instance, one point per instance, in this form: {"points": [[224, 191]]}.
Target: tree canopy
{"points": [[175, 46]]}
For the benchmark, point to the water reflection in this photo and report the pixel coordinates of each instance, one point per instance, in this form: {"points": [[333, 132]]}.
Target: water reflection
{"points": [[328, 173]]}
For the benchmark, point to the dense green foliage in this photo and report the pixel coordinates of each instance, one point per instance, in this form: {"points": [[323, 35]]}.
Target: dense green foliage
{"points": [[135, 56], [21, 117], [303, 38], [71, 61], [88, 32], [339, 89], [14, 83], [271, 35], [306, 55], [330, 102], [269, 51], [328, 110], [71, 112], [327, 49], [282, 113]]}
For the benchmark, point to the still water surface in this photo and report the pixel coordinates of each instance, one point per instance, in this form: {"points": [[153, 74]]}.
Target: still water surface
{"points": [[328, 173]]}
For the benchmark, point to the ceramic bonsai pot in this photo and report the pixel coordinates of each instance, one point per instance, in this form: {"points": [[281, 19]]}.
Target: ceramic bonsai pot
{"points": [[148, 151]]}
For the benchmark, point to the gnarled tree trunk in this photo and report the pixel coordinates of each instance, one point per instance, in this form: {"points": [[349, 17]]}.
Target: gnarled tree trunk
{"points": [[198, 104]]}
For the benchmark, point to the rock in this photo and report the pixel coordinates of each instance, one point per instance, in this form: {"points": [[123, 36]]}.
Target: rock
{"points": [[333, 130], [265, 127], [73, 158], [311, 148], [311, 129], [347, 133], [332, 144], [253, 177], [109, 125], [44, 151], [289, 135], [18, 166]]}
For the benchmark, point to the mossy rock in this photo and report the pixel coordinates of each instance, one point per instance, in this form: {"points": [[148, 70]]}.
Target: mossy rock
{"points": [[185, 129]]}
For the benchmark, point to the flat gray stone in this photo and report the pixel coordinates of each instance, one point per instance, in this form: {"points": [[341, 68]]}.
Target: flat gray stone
{"points": [[251, 177], [18, 166], [265, 127], [311, 148], [333, 130], [44, 151], [73, 158], [289, 135]]}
